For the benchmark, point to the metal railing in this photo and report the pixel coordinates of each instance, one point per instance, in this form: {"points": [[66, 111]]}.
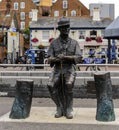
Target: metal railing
{"points": [[105, 66], [12, 72], [21, 68], [47, 65]]}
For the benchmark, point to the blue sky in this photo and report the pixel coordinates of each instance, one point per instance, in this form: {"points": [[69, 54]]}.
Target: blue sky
{"points": [[116, 2]]}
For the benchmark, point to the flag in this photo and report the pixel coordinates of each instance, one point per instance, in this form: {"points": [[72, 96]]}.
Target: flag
{"points": [[45, 2]]}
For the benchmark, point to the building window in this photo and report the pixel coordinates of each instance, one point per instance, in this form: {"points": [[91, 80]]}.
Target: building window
{"points": [[103, 49], [22, 15], [22, 5], [93, 34], [81, 34], [73, 13], [102, 33], [22, 25], [45, 36], [30, 14], [65, 4], [56, 13], [16, 6]]}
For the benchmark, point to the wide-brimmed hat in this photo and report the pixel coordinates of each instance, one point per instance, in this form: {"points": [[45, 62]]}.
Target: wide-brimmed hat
{"points": [[63, 21]]}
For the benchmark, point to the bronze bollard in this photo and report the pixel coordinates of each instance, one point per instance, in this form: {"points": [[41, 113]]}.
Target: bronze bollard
{"points": [[23, 99], [105, 107]]}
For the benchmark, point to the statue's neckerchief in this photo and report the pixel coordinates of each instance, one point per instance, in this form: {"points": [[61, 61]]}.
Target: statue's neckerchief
{"points": [[64, 43]]}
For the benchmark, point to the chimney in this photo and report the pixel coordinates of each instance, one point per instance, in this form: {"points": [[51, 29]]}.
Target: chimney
{"points": [[96, 14], [35, 14]]}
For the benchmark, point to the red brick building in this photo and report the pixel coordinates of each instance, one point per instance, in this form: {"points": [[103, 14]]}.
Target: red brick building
{"points": [[22, 8], [24, 15], [69, 8]]}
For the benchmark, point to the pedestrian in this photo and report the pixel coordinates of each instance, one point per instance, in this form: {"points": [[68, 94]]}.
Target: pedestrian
{"points": [[63, 54]]}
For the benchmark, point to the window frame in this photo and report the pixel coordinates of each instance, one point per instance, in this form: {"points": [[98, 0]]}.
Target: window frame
{"points": [[45, 38], [93, 34], [56, 13], [31, 14], [16, 5], [22, 17], [22, 5], [65, 4], [22, 26], [73, 13], [83, 33]]}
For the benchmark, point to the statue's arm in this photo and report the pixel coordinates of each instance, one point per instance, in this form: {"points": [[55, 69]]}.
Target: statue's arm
{"points": [[52, 59], [75, 59]]}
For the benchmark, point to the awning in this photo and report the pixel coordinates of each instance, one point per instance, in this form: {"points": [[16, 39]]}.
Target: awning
{"points": [[112, 31]]}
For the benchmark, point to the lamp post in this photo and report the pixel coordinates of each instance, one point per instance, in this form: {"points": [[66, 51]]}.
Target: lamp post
{"points": [[109, 51], [13, 34], [13, 52]]}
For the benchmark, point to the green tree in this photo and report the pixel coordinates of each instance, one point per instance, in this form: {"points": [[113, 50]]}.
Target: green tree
{"points": [[26, 33]]}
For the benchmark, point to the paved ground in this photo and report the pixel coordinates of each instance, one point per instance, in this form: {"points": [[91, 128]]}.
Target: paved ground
{"points": [[6, 104]]}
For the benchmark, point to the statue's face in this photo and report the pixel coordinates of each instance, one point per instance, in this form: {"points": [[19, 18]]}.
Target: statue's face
{"points": [[64, 29]]}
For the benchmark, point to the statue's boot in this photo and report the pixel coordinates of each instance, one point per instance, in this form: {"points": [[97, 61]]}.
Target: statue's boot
{"points": [[55, 98], [59, 112], [69, 109]]}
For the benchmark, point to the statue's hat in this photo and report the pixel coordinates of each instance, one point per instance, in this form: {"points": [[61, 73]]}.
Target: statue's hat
{"points": [[63, 21]]}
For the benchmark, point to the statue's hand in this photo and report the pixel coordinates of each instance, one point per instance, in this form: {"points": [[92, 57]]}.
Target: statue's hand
{"points": [[53, 59], [61, 56]]}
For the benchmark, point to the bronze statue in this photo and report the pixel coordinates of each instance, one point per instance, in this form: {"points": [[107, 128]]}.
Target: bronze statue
{"points": [[64, 53]]}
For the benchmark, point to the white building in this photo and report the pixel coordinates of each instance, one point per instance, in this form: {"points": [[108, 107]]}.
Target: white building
{"points": [[85, 30], [106, 10]]}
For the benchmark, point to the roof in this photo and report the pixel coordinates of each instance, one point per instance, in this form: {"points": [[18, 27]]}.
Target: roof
{"points": [[112, 31], [5, 20], [49, 23]]}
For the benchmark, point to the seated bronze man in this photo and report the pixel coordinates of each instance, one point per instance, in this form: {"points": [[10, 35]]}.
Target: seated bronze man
{"points": [[64, 53]]}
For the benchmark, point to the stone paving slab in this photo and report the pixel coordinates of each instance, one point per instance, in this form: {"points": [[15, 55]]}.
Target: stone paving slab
{"points": [[46, 115]]}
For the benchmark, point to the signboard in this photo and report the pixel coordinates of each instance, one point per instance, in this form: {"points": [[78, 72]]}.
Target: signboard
{"points": [[13, 29], [13, 33]]}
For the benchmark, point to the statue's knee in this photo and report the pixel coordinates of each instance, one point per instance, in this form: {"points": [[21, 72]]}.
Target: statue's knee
{"points": [[50, 87], [69, 87], [50, 84]]}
